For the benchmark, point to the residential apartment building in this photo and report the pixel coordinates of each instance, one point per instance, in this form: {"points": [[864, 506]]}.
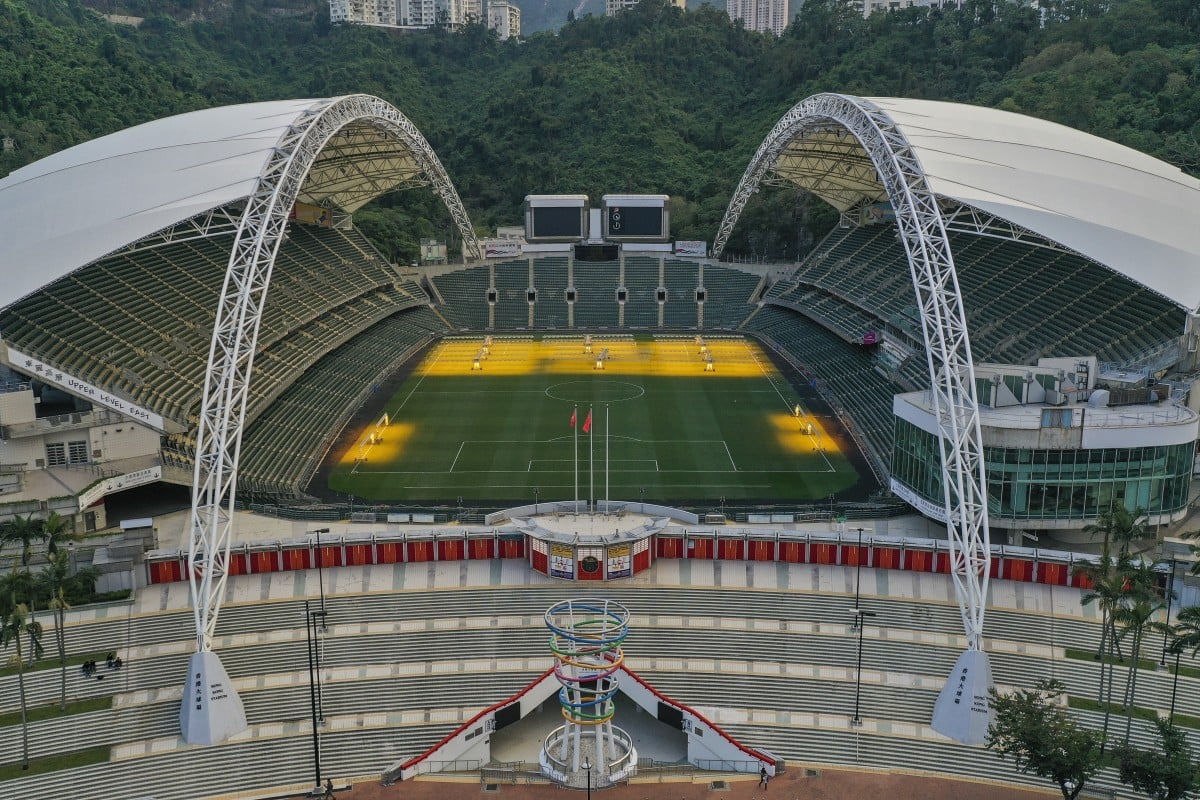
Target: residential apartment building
{"points": [[365, 12], [764, 16], [504, 18], [611, 7]]}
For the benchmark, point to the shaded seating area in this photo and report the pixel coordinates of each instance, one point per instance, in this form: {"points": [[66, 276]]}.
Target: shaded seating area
{"points": [[682, 279], [596, 294], [512, 301], [641, 282], [139, 323], [845, 373], [550, 278], [465, 295], [1023, 300], [283, 446], [727, 295]]}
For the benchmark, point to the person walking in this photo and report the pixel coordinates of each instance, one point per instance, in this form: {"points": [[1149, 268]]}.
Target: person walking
{"points": [[328, 787], [763, 777]]}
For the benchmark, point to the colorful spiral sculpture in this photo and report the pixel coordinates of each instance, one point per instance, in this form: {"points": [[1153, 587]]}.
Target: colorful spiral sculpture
{"points": [[586, 637]]}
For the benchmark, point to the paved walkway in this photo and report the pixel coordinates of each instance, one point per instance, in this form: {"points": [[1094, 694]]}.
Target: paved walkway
{"points": [[795, 784]]}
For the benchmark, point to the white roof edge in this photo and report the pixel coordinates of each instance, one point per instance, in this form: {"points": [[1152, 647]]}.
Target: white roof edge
{"points": [[1113, 204], [75, 206]]}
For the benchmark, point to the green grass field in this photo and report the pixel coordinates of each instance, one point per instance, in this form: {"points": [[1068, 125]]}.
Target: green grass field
{"points": [[663, 423]]}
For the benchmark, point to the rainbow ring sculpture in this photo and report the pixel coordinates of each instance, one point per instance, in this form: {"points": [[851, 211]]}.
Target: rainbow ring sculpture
{"points": [[588, 750]]}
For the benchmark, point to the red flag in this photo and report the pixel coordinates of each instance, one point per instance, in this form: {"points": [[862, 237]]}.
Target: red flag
{"points": [[573, 413], [587, 423]]}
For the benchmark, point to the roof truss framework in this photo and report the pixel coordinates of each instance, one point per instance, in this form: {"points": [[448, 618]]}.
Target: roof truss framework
{"points": [[830, 122], [400, 155]]}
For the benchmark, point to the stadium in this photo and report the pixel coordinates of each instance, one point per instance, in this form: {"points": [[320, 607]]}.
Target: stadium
{"points": [[993, 349]]}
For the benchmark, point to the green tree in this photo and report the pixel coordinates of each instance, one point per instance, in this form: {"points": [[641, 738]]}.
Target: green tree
{"points": [[16, 624], [1042, 738], [23, 532], [1108, 579], [54, 578], [1135, 617], [1165, 772]]}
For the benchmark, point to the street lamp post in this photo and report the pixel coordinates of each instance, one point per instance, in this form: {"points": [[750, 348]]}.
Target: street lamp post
{"points": [[587, 765], [535, 501], [320, 567], [858, 558], [1162, 662], [856, 720], [1174, 685], [314, 677]]}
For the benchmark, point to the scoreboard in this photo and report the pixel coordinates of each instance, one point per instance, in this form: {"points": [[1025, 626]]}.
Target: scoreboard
{"points": [[555, 217], [636, 218]]}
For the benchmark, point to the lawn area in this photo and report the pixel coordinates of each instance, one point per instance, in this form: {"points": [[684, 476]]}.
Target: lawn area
{"points": [[661, 421]]}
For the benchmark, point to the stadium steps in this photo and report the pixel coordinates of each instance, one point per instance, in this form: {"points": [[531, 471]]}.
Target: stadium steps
{"points": [[710, 633]]}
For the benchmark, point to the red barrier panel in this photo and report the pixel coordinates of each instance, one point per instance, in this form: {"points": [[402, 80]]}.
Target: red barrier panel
{"points": [[1080, 580], [760, 550], [701, 548], [917, 560], [641, 560], [330, 555], [943, 562], [997, 566], [359, 554], [541, 562], [295, 558], [512, 548], [886, 557], [451, 549], [792, 552], [264, 561], [420, 551], [238, 564], [388, 553], [166, 571], [668, 547], [481, 549], [822, 553], [1018, 569], [732, 549], [853, 555], [1053, 574]]}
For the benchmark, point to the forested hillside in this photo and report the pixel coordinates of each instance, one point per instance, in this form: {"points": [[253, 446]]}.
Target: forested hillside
{"points": [[654, 100]]}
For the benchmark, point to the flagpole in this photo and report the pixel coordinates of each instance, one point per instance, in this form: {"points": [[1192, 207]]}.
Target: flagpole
{"points": [[591, 460], [606, 497], [575, 430]]}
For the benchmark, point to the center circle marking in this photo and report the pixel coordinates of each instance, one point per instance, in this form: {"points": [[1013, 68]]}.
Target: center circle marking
{"points": [[595, 391]]}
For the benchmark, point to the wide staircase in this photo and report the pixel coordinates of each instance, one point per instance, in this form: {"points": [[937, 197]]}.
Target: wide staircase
{"points": [[400, 670]]}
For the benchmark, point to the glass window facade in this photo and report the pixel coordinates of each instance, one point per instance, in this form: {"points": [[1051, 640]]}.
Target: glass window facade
{"points": [[1066, 485]]}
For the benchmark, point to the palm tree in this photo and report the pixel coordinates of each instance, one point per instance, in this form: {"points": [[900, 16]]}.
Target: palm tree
{"points": [[22, 531], [1118, 525], [16, 624], [1136, 617], [1185, 635], [57, 533], [54, 577]]}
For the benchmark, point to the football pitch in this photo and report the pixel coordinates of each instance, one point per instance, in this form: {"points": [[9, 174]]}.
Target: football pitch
{"points": [[672, 419]]}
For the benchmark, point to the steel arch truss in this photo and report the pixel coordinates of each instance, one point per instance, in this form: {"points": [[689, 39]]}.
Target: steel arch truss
{"points": [[243, 297], [825, 118]]}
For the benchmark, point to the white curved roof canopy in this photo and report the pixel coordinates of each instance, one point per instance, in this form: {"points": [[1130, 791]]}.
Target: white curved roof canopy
{"points": [[1122, 208], [69, 209]]}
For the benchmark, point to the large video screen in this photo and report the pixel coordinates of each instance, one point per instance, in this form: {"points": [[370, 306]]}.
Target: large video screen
{"points": [[556, 222], [640, 221]]}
